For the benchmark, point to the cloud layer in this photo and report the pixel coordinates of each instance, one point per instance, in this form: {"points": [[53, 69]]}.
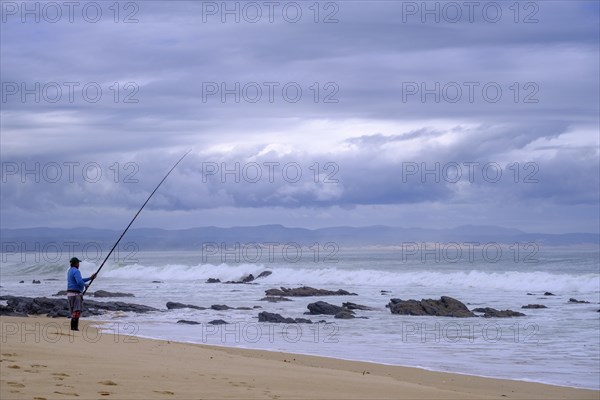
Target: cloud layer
{"points": [[386, 116]]}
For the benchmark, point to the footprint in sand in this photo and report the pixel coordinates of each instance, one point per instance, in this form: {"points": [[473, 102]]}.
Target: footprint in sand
{"points": [[38, 366], [14, 367], [68, 394], [104, 393], [163, 392], [15, 384], [9, 354], [107, 383], [40, 398], [60, 374]]}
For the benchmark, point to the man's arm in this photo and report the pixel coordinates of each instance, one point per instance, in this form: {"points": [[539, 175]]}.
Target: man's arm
{"points": [[80, 281]]}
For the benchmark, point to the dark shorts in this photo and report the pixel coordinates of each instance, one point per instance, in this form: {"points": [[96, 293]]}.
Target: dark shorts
{"points": [[75, 302]]}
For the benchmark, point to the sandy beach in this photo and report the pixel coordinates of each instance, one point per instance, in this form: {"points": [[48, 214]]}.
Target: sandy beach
{"points": [[41, 359]]}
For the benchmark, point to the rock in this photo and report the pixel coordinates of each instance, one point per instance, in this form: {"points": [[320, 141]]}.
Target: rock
{"points": [[344, 314], [243, 308], [572, 300], [59, 307], [305, 291], [186, 322], [534, 306], [218, 322], [9, 312], [220, 307], [21, 281], [265, 316], [104, 293], [493, 313], [60, 293], [264, 274], [275, 299], [445, 307], [174, 306], [213, 280], [530, 294], [59, 313], [52, 279], [549, 294], [157, 281], [354, 306], [36, 282], [248, 278], [321, 307]]}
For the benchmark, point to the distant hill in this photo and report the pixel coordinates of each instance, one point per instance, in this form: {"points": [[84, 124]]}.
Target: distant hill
{"points": [[32, 239]]}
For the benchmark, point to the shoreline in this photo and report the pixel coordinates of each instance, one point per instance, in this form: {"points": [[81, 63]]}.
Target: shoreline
{"points": [[41, 359], [225, 347]]}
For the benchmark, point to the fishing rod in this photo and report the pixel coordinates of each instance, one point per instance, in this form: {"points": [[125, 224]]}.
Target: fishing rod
{"points": [[136, 215]]}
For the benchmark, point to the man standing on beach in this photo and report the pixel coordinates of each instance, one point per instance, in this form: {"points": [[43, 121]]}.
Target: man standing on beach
{"points": [[75, 287]]}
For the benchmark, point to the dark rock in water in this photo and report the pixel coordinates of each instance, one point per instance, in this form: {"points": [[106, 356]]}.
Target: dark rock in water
{"points": [[385, 292], [305, 291], [218, 322], [275, 299], [36, 282], [445, 307], [52, 279], [104, 293], [59, 307], [213, 280], [246, 279], [21, 281], [264, 274], [534, 306], [354, 306], [344, 314], [257, 307], [220, 307], [493, 313], [174, 306], [572, 300], [157, 281], [321, 307], [265, 316], [549, 294], [186, 322], [61, 293], [530, 294], [302, 321], [243, 308]]}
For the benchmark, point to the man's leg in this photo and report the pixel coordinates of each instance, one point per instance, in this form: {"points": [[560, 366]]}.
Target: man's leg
{"points": [[75, 320]]}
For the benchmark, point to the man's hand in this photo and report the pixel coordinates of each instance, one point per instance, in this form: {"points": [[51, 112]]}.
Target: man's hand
{"points": [[93, 276]]}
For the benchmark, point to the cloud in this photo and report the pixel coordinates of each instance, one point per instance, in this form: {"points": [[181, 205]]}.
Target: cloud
{"points": [[363, 108]]}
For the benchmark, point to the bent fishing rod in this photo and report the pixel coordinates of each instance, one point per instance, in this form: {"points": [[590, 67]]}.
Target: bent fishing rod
{"points": [[136, 215]]}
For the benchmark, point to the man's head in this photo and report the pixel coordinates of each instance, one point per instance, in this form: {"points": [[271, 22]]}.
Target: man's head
{"points": [[75, 262]]}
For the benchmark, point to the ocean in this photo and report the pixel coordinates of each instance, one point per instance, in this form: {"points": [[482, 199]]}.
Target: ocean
{"points": [[559, 344]]}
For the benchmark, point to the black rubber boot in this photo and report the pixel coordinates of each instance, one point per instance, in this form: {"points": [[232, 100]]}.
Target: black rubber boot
{"points": [[74, 324]]}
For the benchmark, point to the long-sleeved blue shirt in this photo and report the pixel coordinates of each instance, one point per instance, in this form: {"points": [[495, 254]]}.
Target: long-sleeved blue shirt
{"points": [[75, 281]]}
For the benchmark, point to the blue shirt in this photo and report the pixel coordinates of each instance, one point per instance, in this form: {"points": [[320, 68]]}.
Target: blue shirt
{"points": [[75, 281]]}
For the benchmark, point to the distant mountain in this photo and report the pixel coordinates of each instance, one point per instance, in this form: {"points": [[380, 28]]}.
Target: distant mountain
{"points": [[32, 239]]}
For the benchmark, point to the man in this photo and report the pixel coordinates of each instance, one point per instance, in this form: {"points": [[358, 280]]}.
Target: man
{"points": [[75, 288]]}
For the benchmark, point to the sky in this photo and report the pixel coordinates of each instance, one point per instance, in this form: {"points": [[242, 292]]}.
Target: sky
{"points": [[307, 114]]}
